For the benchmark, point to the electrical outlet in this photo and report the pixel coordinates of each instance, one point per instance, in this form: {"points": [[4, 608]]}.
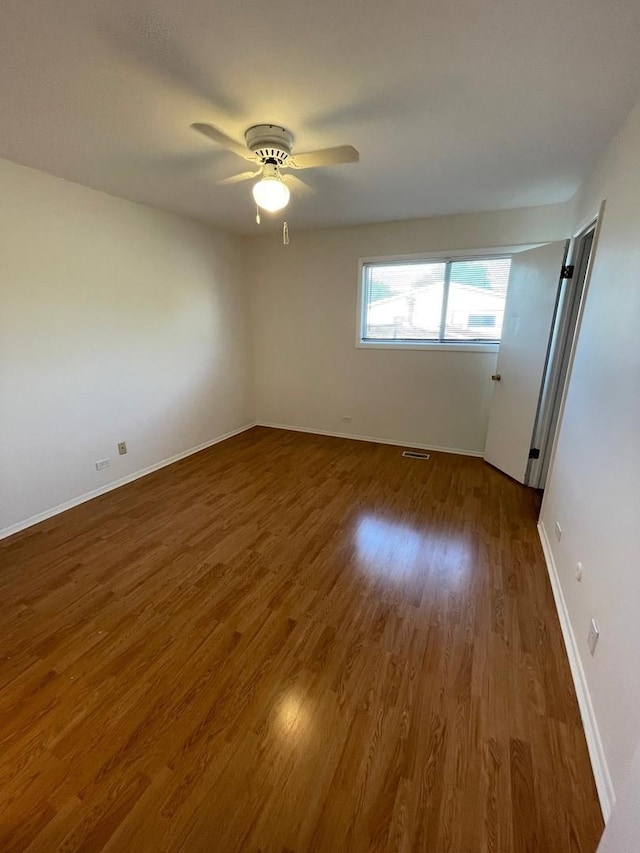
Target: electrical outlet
{"points": [[122, 447], [593, 636], [578, 571], [346, 419], [102, 464], [558, 532]]}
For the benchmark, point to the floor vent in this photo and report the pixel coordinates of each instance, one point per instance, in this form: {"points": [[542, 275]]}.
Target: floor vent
{"points": [[414, 454]]}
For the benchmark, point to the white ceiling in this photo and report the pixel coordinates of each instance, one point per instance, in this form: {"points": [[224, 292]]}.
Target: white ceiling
{"points": [[454, 105]]}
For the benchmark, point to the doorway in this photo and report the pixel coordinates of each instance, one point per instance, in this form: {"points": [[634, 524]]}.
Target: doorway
{"points": [[571, 294]]}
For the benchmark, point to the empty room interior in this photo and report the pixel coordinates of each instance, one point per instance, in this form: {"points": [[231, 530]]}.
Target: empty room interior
{"points": [[319, 407]]}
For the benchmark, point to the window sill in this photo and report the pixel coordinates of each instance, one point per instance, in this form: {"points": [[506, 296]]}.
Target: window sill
{"points": [[427, 346]]}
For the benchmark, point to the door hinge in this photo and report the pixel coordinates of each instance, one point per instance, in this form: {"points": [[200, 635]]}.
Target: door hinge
{"points": [[534, 453], [567, 271]]}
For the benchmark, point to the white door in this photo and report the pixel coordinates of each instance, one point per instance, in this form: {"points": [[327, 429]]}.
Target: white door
{"points": [[528, 317]]}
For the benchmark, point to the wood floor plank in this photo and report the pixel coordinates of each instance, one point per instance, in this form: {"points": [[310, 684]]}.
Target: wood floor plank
{"points": [[290, 643]]}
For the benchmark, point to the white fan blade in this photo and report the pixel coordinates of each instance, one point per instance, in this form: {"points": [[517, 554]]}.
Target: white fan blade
{"points": [[222, 139], [243, 176], [296, 184], [324, 157]]}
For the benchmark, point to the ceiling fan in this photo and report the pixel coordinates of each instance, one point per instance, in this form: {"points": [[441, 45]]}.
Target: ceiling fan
{"points": [[270, 147]]}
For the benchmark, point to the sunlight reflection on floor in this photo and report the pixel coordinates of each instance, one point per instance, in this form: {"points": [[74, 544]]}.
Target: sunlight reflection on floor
{"points": [[397, 550], [293, 715]]}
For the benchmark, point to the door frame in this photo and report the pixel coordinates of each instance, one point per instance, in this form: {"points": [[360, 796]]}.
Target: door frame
{"points": [[562, 345]]}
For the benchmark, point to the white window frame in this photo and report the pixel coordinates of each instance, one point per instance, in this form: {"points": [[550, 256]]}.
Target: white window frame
{"points": [[438, 257]]}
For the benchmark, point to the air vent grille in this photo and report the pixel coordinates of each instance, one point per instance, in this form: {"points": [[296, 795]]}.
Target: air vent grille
{"points": [[415, 454]]}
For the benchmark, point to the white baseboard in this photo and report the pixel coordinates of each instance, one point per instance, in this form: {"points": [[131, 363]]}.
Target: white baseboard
{"points": [[373, 440], [87, 496], [594, 742]]}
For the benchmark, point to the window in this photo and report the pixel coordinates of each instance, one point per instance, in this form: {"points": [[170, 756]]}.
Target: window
{"points": [[434, 301]]}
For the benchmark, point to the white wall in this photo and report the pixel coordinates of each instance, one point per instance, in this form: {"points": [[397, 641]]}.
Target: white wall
{"points": [[309, 372], [117, 323], [622, 834], [594, 487]]}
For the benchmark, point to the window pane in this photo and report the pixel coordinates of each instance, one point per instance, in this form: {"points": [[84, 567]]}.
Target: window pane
{"points": [[477, 291], [403, 301]]}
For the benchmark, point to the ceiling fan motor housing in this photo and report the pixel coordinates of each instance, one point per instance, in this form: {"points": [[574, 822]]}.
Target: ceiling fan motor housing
{"points": [[270, 143]]}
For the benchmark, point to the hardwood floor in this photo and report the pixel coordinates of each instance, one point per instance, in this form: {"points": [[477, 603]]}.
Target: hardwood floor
{"points": [[290, 643]]}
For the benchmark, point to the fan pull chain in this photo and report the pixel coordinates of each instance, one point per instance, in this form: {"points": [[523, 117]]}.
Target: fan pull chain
{"points": [[285, 233], [257, 215]]}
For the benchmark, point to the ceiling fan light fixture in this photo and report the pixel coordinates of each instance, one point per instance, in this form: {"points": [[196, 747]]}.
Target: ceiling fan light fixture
{"points": [[270, 193]]}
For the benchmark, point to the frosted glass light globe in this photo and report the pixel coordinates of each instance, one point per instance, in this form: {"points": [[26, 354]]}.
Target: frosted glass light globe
{"points": [[271, 194]]}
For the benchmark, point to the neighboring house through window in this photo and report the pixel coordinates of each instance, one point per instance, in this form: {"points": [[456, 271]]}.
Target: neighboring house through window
{"points": [[414, 302]]}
